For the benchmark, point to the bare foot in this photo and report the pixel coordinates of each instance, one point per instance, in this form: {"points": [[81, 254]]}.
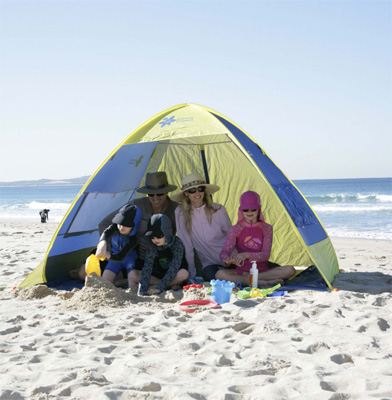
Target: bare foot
{"points": [[74, 273]]}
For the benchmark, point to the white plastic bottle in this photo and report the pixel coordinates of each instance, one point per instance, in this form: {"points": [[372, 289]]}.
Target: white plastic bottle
{"points": [[253, 275]]}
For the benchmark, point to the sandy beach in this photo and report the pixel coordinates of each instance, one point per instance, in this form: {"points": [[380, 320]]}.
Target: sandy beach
{"points": [[107, 343]]}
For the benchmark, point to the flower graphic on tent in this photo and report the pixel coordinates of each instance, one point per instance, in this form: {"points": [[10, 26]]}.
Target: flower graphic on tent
{"points": [[167, 121]]}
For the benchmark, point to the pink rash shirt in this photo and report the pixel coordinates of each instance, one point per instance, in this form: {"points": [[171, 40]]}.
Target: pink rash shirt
{"points": [[206, 238], [253, 238]]}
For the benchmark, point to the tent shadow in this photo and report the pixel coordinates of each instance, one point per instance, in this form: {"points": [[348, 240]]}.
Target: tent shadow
{"points": [[364, 282]]}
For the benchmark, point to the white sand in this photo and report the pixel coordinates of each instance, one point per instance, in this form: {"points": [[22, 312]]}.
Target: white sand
{"points": [[107, 343]]}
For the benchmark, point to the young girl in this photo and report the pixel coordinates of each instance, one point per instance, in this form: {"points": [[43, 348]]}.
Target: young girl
{"points": [[251, 240]]}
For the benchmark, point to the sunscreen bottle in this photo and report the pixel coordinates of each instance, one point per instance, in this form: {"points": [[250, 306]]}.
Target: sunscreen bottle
{"points": [[253, 275]]}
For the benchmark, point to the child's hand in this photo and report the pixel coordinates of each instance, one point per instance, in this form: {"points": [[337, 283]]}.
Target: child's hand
{"points": [[154, 291], [229, 260], [107, 256], [101, 249], [240, 259]]}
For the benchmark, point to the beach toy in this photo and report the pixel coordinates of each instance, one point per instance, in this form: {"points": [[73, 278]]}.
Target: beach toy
{"points": [[243, 294], [193, 285], [255, 292], [278, 293], [221, 290], [92, 265], [192, 305], [238, 286]]}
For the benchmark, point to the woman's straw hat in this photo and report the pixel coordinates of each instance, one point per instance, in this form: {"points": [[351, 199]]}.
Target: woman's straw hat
{"points": [[192, 181]]}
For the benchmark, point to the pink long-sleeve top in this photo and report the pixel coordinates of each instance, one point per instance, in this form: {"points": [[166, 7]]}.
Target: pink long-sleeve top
{"points": [[255, 239], [206, 238]]}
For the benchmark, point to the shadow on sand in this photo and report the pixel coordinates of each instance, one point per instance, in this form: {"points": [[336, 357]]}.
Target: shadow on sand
{"points": [[364, 282]]}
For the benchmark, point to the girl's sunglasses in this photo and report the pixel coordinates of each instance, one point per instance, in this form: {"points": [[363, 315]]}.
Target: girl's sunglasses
{"points": [[200, 189], [248, 210]]}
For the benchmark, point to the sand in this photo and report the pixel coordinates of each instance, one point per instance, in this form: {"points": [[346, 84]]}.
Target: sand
{"points": [[107, 343]]}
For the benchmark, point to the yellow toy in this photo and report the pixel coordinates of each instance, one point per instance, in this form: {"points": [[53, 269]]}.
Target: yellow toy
{"points": [[255, 292], [92, 265]]}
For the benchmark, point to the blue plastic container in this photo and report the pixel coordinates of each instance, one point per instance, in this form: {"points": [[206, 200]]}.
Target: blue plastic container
{"points": [[221, 291]]}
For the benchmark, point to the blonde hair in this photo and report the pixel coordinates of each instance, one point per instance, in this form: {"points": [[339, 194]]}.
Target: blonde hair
{"points": [[186, 208]]}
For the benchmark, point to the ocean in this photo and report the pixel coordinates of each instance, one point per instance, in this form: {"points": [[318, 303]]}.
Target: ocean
{"points": [[352, 208]]}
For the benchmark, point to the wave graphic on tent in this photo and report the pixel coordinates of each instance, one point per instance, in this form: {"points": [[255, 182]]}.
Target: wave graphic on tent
{"points": [[180, 140]]}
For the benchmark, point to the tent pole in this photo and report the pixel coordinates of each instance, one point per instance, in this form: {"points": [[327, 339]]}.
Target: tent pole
{"points": [[204, 161]]}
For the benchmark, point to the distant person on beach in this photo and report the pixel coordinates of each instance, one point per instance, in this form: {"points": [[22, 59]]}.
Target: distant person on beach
{"points": [[251, 240], [164, 265], [121, 235], [201, 225], [44, 214]]}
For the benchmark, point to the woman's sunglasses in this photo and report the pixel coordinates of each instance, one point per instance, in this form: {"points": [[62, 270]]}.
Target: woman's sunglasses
{"points": [[200, 189]]}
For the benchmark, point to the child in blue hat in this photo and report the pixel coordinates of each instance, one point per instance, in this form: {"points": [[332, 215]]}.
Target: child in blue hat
{"points": [[121, 235]]}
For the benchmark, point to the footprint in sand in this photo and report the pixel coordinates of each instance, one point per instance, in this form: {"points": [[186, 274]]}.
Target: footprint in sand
{"points": [[341, 358], [313, 348], [107, 350], [113, 337], [239, 389], [382, 324], [328, 386], [13, 329], [224, 362], [148, 387]]}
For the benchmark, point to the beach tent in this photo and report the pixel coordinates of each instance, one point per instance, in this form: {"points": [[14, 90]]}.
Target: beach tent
{"points": [[180, 140]]}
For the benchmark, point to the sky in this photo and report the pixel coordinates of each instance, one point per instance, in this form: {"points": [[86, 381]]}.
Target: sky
{"points": [[310, 81]]}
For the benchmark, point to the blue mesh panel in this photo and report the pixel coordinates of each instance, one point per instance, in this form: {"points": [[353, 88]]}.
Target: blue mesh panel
{"points": [[124, 170]]}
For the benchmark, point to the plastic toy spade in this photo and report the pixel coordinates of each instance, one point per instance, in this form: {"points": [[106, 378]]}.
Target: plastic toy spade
{"points": [[92, 265]]}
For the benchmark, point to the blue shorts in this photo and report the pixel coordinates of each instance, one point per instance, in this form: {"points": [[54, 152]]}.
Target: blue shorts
{"points": [[128, 263]]}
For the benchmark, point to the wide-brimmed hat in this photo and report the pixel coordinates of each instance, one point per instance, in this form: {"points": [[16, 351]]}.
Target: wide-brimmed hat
{"points": [[156, 182], [192, 181]]}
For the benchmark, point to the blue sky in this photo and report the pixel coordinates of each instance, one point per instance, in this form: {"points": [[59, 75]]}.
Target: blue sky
{"points": [[311, 81]]}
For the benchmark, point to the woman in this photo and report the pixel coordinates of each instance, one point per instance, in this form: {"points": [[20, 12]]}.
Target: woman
{"points": [[201, 225]]}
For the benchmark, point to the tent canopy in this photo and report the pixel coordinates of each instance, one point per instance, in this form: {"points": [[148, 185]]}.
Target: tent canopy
{"points": [[180, 140]]}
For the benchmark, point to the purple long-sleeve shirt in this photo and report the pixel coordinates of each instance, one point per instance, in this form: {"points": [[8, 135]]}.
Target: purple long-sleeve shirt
{"points": [[206, 238]]}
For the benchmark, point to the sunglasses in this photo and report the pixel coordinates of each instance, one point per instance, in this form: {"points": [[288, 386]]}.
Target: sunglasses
{"points": [[248, 210], [155, 194], [200, 189], [158, 237]]}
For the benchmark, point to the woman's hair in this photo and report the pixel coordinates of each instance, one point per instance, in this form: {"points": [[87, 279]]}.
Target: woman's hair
{"points": [[187, 209]]}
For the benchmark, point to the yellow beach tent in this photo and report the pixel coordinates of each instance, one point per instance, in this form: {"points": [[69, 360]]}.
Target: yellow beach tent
{"points": [[180, 140]]}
